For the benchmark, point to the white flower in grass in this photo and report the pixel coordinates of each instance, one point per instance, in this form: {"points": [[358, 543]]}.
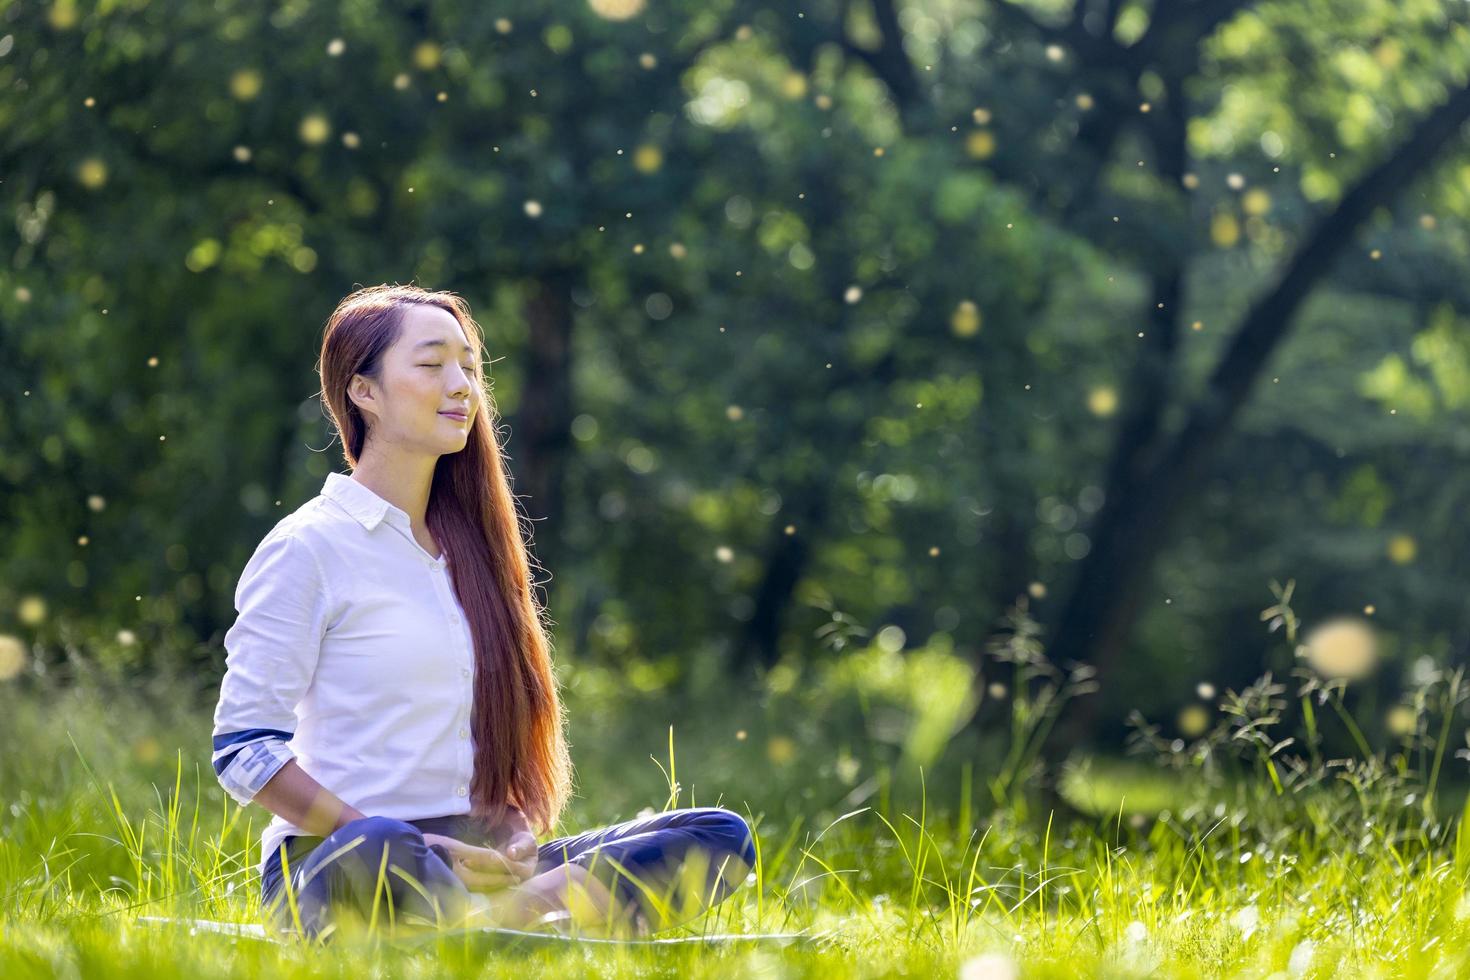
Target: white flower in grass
{"points": [[1136, 932], [989, 966], [1246, 920], [1301, 958]]}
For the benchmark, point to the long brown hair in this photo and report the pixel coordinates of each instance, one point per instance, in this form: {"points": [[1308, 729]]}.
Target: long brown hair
{"points": [[521, 756]]}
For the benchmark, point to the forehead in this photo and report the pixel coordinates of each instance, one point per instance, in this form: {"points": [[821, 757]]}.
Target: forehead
{"points": [[422, 324]]}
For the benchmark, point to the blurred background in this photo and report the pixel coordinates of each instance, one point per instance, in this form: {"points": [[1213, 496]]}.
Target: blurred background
{"points": [[876, 374]]}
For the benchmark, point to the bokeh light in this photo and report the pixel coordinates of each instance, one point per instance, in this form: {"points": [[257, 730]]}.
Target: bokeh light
{"points": [[12, 657], [616, 9], [1343, 647], [965, 320]]}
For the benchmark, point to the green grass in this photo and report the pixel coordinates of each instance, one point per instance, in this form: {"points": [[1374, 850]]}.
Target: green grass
{"points": [[1215, 865]]}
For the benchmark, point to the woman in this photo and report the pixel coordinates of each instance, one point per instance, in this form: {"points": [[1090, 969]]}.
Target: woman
{"points": [[388, 691]]}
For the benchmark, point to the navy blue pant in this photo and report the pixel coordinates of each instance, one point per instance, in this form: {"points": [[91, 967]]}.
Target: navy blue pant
{"points": [[631, 858]]}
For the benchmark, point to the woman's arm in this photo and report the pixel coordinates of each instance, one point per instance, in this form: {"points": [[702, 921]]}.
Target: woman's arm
{"points": [[294, 795]]}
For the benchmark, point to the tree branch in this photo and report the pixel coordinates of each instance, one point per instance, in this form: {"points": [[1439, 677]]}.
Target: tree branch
{"points": [[1269, 318]]}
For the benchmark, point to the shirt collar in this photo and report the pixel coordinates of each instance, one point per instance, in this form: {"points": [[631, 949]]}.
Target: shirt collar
{"points": [[367, 507]]}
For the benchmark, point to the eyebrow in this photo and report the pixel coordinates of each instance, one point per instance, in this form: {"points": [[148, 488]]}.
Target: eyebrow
{"points": [[438, 343]]}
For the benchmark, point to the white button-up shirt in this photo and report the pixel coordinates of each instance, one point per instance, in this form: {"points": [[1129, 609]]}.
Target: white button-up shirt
{"points": [[352, 655]]}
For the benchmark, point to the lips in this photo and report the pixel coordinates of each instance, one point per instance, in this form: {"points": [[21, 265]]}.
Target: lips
{"points": [[454, 415]]}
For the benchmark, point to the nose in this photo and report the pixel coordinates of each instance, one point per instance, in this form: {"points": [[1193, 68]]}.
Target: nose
{"points": [[463, 385]]}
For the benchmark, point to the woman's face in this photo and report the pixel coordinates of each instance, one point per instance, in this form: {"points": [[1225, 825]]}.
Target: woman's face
{"points": [[429, 370]]}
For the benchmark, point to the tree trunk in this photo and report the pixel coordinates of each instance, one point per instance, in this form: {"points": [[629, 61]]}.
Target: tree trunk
{"points": [[1094, 623], [542, 427]]}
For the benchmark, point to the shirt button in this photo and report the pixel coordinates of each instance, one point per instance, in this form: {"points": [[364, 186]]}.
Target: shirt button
{"points": [[464, 733], [464, 791], [465, 671]]}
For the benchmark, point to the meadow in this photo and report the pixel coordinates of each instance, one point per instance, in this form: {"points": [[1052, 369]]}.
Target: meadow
{"points": [[1245, 851]]}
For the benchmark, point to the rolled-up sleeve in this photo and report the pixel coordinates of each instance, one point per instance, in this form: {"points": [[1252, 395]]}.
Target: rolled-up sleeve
{"points": [[271, 655]]}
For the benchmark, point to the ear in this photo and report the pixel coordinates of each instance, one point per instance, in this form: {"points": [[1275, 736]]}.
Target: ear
{"points": [[360, 393]]}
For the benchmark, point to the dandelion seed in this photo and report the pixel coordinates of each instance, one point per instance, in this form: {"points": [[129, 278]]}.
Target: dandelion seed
{"points": [[1136, 932]]}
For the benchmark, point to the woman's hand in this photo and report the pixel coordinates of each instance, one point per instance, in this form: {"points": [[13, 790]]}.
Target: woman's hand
{"points": [[486, 869], [517, 830]]}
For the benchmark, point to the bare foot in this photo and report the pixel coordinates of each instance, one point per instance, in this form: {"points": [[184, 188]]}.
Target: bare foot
{"points": [[565, 896]]}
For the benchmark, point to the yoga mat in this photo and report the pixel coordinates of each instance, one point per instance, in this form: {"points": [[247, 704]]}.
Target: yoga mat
{"points": [[498, 936]]}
